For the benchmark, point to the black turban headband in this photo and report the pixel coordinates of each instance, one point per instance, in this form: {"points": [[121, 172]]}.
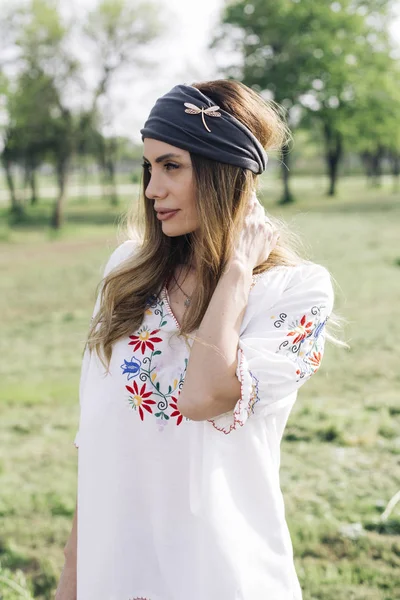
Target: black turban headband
{"points": [[186, 118]]}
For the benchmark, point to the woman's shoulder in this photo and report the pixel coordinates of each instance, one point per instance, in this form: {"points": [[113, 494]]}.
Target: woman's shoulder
{"points": [[121, 253], [281, 281], [290, 275]]}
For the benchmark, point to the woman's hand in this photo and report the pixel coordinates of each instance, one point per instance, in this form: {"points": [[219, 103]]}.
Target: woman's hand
{"points": [[258, 236]]}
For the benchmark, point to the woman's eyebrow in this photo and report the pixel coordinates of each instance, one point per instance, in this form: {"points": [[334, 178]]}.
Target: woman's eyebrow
{"points": [[164, 157]]}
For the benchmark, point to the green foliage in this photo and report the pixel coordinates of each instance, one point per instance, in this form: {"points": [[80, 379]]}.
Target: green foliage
{"points": [[294, 48], [332, 61], [42, 124], [119, 28], [33, 128], [13, 585], [375, 118]]}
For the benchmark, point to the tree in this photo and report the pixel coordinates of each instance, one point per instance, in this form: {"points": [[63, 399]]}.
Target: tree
{"points": [[376, 122], [31, 111], [305, 54], [44, 68], [118, 31]]}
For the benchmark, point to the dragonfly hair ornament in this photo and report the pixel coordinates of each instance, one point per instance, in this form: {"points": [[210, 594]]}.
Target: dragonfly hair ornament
{"points": [[211, 111]]}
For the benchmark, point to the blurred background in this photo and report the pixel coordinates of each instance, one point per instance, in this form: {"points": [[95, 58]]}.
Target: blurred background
{"points": [[77, 81]]}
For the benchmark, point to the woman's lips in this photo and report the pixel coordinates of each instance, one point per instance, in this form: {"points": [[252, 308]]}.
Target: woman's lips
{"points": [[162, 216]]}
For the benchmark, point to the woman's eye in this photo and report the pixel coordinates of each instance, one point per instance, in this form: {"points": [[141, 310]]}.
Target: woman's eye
{"points": [[170, 166], [167, 166]]}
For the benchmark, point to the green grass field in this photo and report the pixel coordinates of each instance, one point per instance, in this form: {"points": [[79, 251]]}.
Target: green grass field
{"points": [[341, 451]]}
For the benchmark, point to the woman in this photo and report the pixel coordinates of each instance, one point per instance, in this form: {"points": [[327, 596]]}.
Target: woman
{"points": [[204, 330]]}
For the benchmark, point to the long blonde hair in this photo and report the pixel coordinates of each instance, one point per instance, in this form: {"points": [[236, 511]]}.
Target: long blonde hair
{"points": [[222, 195]]}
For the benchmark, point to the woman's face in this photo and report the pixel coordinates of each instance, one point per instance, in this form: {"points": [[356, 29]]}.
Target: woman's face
{"points": [[171, 186]]}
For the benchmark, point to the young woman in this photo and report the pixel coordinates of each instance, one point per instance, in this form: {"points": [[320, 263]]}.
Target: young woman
{"points": [[204, 330]]}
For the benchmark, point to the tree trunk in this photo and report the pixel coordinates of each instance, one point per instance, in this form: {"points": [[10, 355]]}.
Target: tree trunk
{"points": [[334, 151], [395, 162], [376, 166], [16, 207], [112, 182], [287, 197], [366, 161], [103, 182], [32, 183], [57, 218], [84, 177]]}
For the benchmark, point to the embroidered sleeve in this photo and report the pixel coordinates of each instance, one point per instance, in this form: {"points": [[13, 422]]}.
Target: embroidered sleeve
{"points": [[281, 347], [117, 257]]}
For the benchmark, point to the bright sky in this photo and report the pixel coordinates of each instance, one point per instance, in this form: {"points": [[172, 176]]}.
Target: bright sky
{"points": [[182, 56]]}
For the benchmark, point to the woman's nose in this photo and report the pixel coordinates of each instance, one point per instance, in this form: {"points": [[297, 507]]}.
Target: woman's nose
{"points": [[155, 189]]}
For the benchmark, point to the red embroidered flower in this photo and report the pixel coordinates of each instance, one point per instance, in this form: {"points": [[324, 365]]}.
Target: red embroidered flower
{"points": [[176, 412], [144, 339], [302, 330], [315, 359], [139, 399]]}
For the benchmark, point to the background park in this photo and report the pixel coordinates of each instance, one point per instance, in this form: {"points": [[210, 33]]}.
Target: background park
{"points": [[71, 166]]}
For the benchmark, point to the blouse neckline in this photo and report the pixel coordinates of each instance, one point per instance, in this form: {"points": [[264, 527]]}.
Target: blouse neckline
{"points": [[166, 300]]}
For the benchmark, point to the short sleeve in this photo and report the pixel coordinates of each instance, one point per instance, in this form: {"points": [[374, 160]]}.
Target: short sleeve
{"points": [[117, 257], [282, 346]]}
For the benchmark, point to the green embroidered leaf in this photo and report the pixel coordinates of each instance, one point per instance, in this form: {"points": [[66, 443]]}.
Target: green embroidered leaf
{"points": [[163, 323], [158, 385], [157, 414], [169, 389], [166, 417], [156, 352]]}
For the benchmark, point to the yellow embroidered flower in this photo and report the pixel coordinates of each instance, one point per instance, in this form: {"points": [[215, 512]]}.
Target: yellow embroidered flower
{"points": [[140, 398], [144, 339]]}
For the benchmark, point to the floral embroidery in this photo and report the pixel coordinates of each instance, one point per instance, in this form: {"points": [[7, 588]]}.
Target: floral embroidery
{"points": [[306, 347], [279, 322], [132, 367], [302, 330], [254, 397], [144, 340], [303, 344], [139, 399], [315, 359], [176, 412], [164, 402], [231, 419]]}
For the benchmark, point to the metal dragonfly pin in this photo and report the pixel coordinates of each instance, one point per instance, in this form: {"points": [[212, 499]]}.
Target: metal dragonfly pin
{"points": [[211, 111]]}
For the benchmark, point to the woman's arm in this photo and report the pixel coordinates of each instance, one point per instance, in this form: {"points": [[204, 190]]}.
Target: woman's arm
{"points": [[66, 589], [211, 386], [70, 547]]}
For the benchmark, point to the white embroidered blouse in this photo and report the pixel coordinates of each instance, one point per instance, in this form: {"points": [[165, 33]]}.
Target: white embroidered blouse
{"points": [[174, 509]]}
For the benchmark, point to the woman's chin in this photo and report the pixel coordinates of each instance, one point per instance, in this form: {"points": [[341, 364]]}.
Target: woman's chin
{"points": [[174, 230]]}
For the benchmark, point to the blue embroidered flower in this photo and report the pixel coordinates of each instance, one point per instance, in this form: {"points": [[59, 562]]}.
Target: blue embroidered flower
{"points": [[132, 367], [319, 328]]}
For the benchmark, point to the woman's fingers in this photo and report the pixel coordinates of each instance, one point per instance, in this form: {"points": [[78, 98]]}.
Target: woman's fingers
{"points": [[259, 235]]}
